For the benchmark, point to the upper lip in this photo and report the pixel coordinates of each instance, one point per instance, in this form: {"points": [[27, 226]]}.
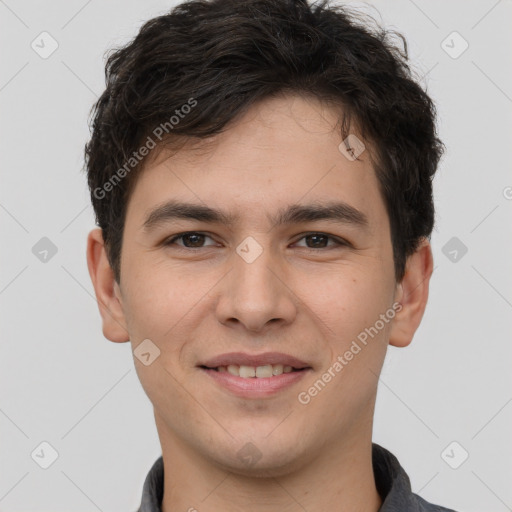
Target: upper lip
{"points": [[242, 359]]}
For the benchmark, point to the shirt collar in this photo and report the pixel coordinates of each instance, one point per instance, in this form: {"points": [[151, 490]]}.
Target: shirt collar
{"points": [[391, 481]]}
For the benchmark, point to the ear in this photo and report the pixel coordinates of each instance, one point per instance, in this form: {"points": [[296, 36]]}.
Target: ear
{"points": [[412, 293], [108, 293]]}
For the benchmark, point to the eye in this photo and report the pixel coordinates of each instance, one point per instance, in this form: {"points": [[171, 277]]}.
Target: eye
{"points": [[195, 240], [190, 239], [320, 240]]}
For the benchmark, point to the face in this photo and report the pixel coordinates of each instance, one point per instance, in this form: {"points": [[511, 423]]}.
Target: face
{"points": [[250, 274]]}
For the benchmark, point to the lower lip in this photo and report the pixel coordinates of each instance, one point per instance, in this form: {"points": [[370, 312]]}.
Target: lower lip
{"points": [[255, 387]]}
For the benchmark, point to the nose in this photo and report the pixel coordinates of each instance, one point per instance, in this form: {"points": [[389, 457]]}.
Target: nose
{"points": [[254, 295]]}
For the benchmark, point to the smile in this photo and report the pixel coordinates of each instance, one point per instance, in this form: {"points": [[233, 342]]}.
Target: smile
{"points": [[254, 381], [258, 372]]}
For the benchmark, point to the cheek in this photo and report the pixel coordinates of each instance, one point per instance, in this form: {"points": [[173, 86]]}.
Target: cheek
{"points": [[350, 299], [154, 299], [165, 304]]}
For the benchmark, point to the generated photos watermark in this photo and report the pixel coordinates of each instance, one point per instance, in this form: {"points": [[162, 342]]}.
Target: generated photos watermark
{"points": [[159, 132], [341, 361]]}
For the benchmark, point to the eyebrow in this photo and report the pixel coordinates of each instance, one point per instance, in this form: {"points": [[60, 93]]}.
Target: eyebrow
{"points": [[338, 211]]}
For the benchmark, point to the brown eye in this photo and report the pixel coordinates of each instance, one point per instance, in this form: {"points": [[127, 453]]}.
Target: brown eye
{"points": [[190, 240], [318, 241], [321, 241]]}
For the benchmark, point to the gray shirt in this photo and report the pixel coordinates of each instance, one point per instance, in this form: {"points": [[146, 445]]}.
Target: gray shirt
{"points": [[391, 480]]}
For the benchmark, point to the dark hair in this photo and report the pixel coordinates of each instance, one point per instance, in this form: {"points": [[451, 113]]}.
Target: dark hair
{"points": [[219, 57]]}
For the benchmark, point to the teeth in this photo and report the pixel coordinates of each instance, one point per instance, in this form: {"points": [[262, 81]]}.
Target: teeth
{"points": [[277, 369], [262, 371], [248, 372], [234, 370]]}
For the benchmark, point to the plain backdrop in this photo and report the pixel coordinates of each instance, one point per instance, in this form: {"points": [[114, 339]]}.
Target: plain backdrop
{"points": [[447, 396]]}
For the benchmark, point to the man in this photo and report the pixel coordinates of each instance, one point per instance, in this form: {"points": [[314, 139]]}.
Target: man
{"points": [[261, 173]]}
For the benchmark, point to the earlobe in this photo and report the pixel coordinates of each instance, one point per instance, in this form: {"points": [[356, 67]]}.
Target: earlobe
{"points": [[412, 294], [106, 289]]}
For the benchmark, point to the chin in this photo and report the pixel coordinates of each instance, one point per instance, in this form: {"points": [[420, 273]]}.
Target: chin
{"points": [[261, 459]]}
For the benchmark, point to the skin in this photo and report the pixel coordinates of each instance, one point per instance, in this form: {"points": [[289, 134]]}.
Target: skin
{"points": [[307, 300]]}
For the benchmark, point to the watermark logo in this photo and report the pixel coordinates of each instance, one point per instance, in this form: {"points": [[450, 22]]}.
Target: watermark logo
{"points": [[146, 352], [454, 455], [44, 45], [44, 455], [249, 249], [249, 454], [454, 249], [351, 147], [44, 250], [454, 45]]}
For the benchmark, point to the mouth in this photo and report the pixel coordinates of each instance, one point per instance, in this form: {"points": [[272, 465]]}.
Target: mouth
{"points": [[255, 372], [255, 375]]}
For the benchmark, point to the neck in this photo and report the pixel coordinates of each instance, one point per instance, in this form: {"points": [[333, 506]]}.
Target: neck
{"points": [[339, 477]]}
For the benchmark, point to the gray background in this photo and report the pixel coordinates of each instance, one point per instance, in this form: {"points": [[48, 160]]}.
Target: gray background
{"points": [[62, 382]]}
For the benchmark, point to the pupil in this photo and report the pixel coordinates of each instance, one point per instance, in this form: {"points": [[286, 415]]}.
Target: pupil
{"points": [[187, 238], [198, 239], [316, 237]]}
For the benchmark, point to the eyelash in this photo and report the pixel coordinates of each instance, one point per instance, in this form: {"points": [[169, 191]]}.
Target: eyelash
{"points": [[338, 241]]}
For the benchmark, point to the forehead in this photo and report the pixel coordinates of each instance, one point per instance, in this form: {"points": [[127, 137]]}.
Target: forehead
{"points": [[282, 150]]}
